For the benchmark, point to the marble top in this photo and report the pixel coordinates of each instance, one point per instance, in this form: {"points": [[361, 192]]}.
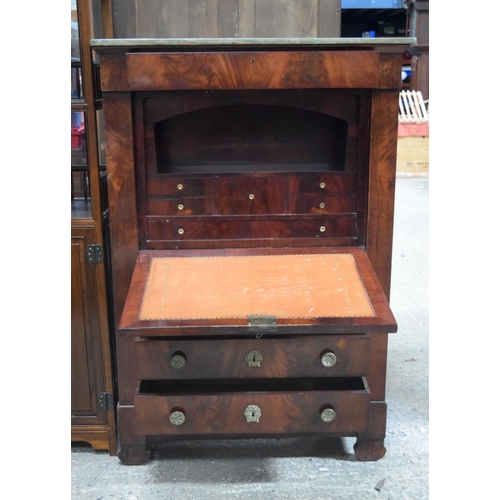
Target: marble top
{"points": [[255, 42]]}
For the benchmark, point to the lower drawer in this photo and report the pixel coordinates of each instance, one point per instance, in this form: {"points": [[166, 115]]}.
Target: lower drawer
{"points": [[178, 228], [306, 356], [280, 407]]}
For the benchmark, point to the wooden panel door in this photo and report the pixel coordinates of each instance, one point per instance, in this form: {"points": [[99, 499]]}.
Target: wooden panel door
{"points": [[90, 422]]}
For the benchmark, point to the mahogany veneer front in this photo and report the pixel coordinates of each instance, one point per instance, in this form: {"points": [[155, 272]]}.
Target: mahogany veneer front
{"points": [[238, 149]]}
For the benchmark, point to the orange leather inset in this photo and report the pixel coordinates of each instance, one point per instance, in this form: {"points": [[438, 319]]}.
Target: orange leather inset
{"points": [[285, 286]]}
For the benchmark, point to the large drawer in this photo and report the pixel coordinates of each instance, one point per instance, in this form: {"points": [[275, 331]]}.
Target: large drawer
{"points": [[251, 358], [331, 406]]}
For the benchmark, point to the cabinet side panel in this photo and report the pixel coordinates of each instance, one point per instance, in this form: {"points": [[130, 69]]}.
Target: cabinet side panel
{"points": [[383, 149], [121, 193]]}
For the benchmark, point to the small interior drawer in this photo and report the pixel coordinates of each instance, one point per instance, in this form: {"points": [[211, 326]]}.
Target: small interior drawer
{"points": [[176, 228], [251, 358], [179, 187], [323, 183], [181, 206], [251, 195], [321, 204], [260, 407]]}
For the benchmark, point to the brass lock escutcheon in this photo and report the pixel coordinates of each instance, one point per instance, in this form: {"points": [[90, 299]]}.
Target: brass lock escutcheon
{"points": [[252, 413], [254, 358], [177, 417]]}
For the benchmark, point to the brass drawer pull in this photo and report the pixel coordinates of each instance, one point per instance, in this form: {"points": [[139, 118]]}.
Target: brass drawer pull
{"points": [[180, 206], [328, 359], [181, 231], [322, 205], [177, 417], [322, 185], [328, 415], [252, 413], [254, 358], [322, 229], [178, 361], [180, 187], [251, 196]]}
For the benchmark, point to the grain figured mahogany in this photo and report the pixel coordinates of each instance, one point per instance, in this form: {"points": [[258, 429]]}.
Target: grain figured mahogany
{"points": [[239, 150]]}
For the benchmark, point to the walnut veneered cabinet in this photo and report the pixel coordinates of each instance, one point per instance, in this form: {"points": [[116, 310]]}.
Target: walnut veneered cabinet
{"points": [[251, 191]]}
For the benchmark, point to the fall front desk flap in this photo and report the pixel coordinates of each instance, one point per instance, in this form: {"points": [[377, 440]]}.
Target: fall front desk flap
{"points": [[258, 291]]}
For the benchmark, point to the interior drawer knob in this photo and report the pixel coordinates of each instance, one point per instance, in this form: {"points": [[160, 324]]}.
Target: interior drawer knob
{"points": [[180, 206], [180, 187], [254, 358], [252, 413], [322, 205], [178, 361], [328, 359], [328, 415], [322, 185], [251, 196], [177, 417]]}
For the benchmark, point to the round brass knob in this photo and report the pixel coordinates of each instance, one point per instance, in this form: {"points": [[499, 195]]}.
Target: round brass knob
{"points": [[180, 187], [181, 231], [322, 229], [322, 185], [177, 417], [180, 206], [328, 415], [178, 361], [251, 196], [322, 205], [328, 359]]}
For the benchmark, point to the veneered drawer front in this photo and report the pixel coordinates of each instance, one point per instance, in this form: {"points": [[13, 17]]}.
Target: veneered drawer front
{"points": [[322, 183], [253, 358], [251, 195], [181, 206], [218, 410], [184, 230], [321, 204], [179, 186], [253, 70]]}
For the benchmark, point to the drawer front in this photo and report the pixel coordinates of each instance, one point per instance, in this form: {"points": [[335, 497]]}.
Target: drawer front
{"points": [[182, 229], [321, 204], [253, 358], [322, 183], [179, 187], [251, 413], [251, 195], [252, 70], [181, 206]]}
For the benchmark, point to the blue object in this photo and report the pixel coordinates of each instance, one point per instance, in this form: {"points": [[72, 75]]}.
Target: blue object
{"points": [[371, 4]]}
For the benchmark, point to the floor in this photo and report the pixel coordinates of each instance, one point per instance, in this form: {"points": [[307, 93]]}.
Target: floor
{"points": [[308, 469]]}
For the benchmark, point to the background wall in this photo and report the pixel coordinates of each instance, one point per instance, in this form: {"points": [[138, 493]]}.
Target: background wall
{"points": [[226, 18]]}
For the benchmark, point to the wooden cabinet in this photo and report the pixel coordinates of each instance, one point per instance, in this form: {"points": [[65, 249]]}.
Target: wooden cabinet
{"points": [[251, 206], [92, 394]]}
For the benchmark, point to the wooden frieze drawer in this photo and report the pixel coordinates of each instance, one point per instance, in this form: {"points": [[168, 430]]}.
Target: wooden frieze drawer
{"points": [[225, 408], [308, 356]]}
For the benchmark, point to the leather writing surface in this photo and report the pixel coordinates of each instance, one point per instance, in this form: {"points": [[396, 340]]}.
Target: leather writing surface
{"points": [[284, 286]]}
